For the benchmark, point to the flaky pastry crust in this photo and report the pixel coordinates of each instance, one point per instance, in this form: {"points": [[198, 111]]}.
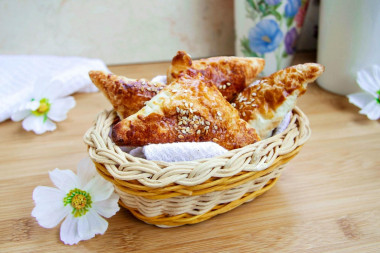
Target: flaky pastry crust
{"points": [[229, 74], [265, 103], [127, 96], [187, 110]]}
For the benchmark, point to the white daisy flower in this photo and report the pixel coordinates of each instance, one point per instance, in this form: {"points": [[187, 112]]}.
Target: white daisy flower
{"points": [[80, 200], [368, 101], [46, 104]]}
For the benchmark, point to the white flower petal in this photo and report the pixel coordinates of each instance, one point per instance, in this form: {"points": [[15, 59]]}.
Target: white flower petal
{"points": [[19, 115], [69, 230], [109, 207], [32, 122], [360, 99], [37, 124], [98, 225], [99, 188], [372, 110], [32, 105], [65, 180], [84, 229], [23, 110], [60, 107], [49, 210], [369, 79], [88, 226], [85, 171]]}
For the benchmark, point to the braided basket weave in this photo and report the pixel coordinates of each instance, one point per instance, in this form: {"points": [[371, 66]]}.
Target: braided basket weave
{"points": [[174, 194]]}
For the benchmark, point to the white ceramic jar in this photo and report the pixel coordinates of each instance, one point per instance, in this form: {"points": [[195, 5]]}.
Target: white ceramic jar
{"points": [[348, 40]]}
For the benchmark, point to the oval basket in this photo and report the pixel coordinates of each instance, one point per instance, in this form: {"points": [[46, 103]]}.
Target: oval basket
{"points": [[179, 193]]}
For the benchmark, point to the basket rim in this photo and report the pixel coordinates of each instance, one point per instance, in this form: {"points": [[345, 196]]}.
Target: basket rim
{"points": [[254, 157]]}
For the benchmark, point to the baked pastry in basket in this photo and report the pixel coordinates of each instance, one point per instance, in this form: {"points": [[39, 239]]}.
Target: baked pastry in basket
{"points": [[265, 103], [229, 74], [187, 110], [127, 96]]}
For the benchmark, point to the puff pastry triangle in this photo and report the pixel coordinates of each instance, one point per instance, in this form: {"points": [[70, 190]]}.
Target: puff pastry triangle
{"points": [[127, 96], [265, 103], [187, 110], [228, 73]]}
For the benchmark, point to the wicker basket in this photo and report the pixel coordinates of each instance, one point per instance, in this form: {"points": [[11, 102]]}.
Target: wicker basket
{"points": [[174, 194]]}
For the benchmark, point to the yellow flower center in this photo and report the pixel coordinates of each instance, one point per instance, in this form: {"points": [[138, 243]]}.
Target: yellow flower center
{"points": [[266, 39], [43, 108], [79, 200]]}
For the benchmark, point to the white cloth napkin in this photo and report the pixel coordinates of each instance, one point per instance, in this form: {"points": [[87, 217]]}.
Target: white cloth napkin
{"points": [[18, 74]]}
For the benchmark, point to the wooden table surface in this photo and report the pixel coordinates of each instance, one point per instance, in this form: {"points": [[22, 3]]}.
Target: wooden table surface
{"points": [[327, 199]]}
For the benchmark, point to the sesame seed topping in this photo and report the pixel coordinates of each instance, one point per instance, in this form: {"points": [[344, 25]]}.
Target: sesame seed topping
{"points": [[214, 139], [207, 127], [188, 129], [219, 113], [180, 136], [241, 106], [224, 87], [253, 94], [233, 105], [228, 84], [199, 132], [216, 127], [244, 114], [178, 110], [180, 123], [191, 104], [252, 99], [183, 131], [207, 123]]}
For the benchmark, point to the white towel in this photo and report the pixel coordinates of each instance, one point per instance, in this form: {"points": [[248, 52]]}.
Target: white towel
{"points": [[18, 74]]}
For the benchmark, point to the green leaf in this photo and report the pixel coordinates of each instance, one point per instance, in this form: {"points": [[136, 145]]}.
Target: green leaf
{"points": [[276, 6], [252, 4], [246, 49], [276, 14], [289, 22], [284, 54], [263, 8]]}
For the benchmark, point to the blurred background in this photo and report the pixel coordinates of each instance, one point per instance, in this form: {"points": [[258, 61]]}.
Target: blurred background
{"points": [[129, 31]]}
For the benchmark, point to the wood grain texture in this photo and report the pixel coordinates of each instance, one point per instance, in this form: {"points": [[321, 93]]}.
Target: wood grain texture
{"points": [[327, 200]]}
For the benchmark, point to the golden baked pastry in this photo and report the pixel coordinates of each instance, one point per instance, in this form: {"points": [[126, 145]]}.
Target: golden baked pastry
{"points": [[229, 74], [264, 104], [187, 110], [127, 96]]}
